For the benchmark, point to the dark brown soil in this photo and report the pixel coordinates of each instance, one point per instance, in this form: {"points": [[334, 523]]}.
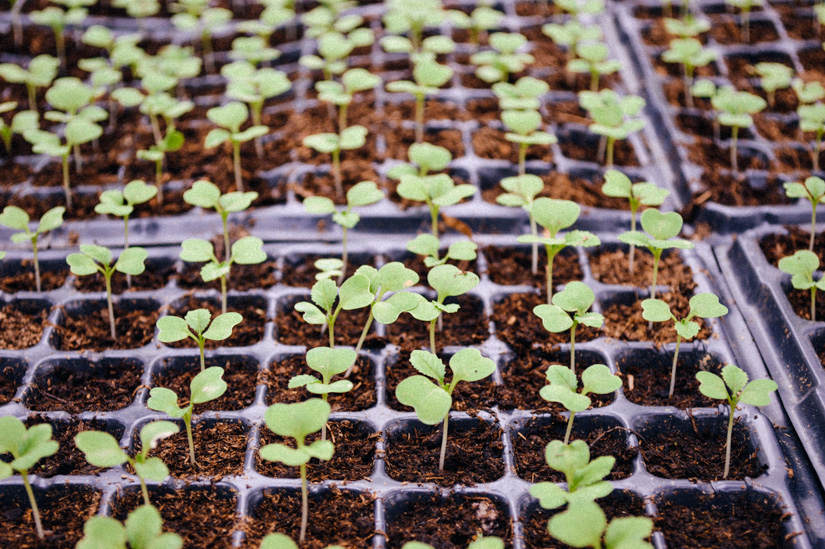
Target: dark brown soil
{"points": [[511, 266], [613, 267], [474, 453], [242, 279], [712, 157], [397, 113], [22, 328], [303, 274], [154, 277], [240, 376], [447, 523], [735, 191], [69, 460], [103, 386], [399, 140], [323, 183], [729, 32], [10, 379], [587, 192], [532, 437], [63, 510], [491, 143], [335, 517], [361, 397], [467, 326], [578, 147], [775, 246], [801, 303], [89, 330], [23, 280], [186, 512], [625, 322], [249, 332], [353, 458], [647, 378], [292, 329]]}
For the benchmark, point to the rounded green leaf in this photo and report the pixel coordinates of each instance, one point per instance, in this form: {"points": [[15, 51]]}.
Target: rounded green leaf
{"points": [[151, 468], [330, 362], [758, 392], [15, 218], [320, 205], [172, 328], [154, 432], [131, 261], [278, 541], [656, 310], [661, 226], [297, 420], [600, 380], [553, 318], [431, 402], [449, 280], [363, 194], [196, 250], [221, 326], [428, 364], [100, 449], [469, 365], [576, 296], [706, 305], [581, 525], [81, 265], [248, 251], [712, 386], [207, 385], [165, 400]]}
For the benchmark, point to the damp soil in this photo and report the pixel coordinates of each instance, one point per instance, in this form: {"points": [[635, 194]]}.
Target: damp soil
{"points": [[777, 245], [89, 330], [354, 457], [467, 326], [647, 378], [303, 274], [23, 279], [530, 439], [361, 397], [625, 322], [801, 302], [474, 453], [249, 332], [490, 143], [69, 460], [279, 510], [292, 329], [154, 277], [10, 379], [243, 277], [398, 141], [513, 266], [103, 386], [21, 327], [585, 191], [612, 266], [240, 375]]}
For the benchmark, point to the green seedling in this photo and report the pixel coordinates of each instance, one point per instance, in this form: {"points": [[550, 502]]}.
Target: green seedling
{"points": [[196, 15], [328, 267], [521, 193], [569, 309], [734, 387], [424, 158], [432, 401], [328, 300], [690, 53], [807, 92], [17, 219], [504, 60], [207, 385], [564, 389], [103, 78], [21, 122], [138, 9], [274, 15], [481, 20], [428, 76], [812, 119], [73, 100], [27, 447], [577, 8], [584, 524], [172, 60], [614, 117], [524, 95], [554, 216], [298, 421], [97, 259], [436, 191], [245, 251], [102, 450], [329, 363], [618, 185], [40, 73], [364, 193], [199, 326], [329, 17], [661, 228], [572, 33], [801, 266], [481, 542], [591, 58], [230, 118], [122, 203], [704, 305], [342, 93], [735, 109], [16, 24], [72, 12], [773, 77], [252, 49], [524, 131], [745, 7], [410, 18], [813, 189], [689, 26], [429, 246], [353, 137], [334, 47], [143, 529]]}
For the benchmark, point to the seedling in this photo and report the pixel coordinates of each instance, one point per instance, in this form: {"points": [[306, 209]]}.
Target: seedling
{"points": [[432, 401], [353, 137], [72, 100], [428, 76], [97, 259], [16, 25], [298, 421], [814, 190], [524, 95], [734, 387], [773, 77], [103, 77], [806, 92], [362, 194], [802, 265], [328, 300], [429, 246], [143, 529], [102, 450], [41, 71], [614, 117], [410, 18], [230, 118], [253, 49], [577, 8], [245, 251], [554, 216], [498, 65], [72, 12], [195, 15], [571, 33], [481, 20], [689, 26], [592, 58], [138, 9], [172, 60], [21, 122], [27, 447], [273, 15], [17, 219], [428, 158], [207, 385], [328, 17], [584, 524], [704, 305], [564, 389], [691, 54], [524, 130], [197, 326], [576, 298], [735, 110], [521, 193], [618, 185], [122, 203], [341, 93], [812, 119], [662, 227], [745, 7], [436, 191], [333, 49], [481, 542]]}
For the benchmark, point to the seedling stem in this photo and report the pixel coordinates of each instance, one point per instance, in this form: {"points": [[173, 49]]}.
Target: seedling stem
{"points": [[673, 368], [336, 172], [419, 118], [443, 444], [304, 501], [35, 512]]}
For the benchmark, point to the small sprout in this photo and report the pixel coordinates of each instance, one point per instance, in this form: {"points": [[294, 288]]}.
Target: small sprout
{"points": [[436, 191], [73, 103], [733, 387], [773, 77], [571, 33], [207, 385], [428, 158], [554, 216], [504, 60], [481, 20], [333, 49], [41, 71], [197, 326], [812, 119], [814, 190], [428, 246], [735, 109], [704, 305], [524, 130], [690, 26], [691, 54], [563, 388], [143, 529], [298, 421], [584, 524], [524, 95], [592, 58], [230, 118], [364, 193], [195, 15], [353, 137], [521, 193], [252, 49], [576, 298], [801, 266], [328, 267], [27, 447], [618, 185], [806, 92], [411, 18], [327, 362], [328, 300], [432, 401], [102, 450], [73, 12], [614, 117], [245, 251], [138, 9], [21, 122], [662, 227], [342, 93], [575, 8], [745, 7], [15, 218], [97, 259], [122, 203], [428, 76], [481, 542]]}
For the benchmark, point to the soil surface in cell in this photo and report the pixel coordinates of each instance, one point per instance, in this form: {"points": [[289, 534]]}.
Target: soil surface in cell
{"points": [[69, 460], [626, 323], [292, 329], [242, 278], [240, 377], [612, 266], [336, 517], [801, 302], [21, 328], [416, 262], [353, 458], [513, 266], [775, 246], [303, 274], [9, 381], [562, 186], [104, 387], [474, 454], [249, 332], [154, 277], [24, 281], [361, 397], [647, 379], [465, 327], [89, 330]]}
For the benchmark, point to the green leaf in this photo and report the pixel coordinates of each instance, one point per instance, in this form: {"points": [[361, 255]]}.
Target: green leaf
{"points": [[302, 380], [687, 329], [81, 265], [355, 293], [571, 400], [320, 205], [428, 364], [151, 468], [394, 277], [661, 226], [330, 362], [706, 305], [598, 379], [735, 378], [248, 251], [207, 385], [297, 420], [97, 253], [629, 533], [448, 281], [712, 386], [353, 137], [617, 184], [549, 494], [229, 116], [196, 250], [154, 432], [576, 296], [758, 392], [340, 386], [198, 320], [468, 365], [203, 194], [221, 326], [216, 137], [581, 525], [15, 218], [131, 261], [555, 215], [284, 454], [165, 400], [656, 310], [278, 541], [311, 313], [431, 402], [553, 318], [431, 158], [424, 244], [100, 449], [102, 533], [363, 194]]}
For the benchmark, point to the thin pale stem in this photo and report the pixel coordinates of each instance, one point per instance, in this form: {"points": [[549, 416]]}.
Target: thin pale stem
{"points": [[159, 180], [549, 274], [60, 43], [746, 20], [256, 120], [573, 347], [728, 443], [813, 228], [226, 248], [344, 255], [304, 503], [331, 326], [419, 118], [433, 348], [734, 161], [673, 368], [78, 162], [108, 277], [656, 257], [534, 231], [610, 143], [688, 85], [434, 220], [201, 344], [67, 190], [522, 158], [223, 294], [188, 423], [236, 164], [594, 80], [208, 57], [31, 90], [336, 173], [36, 265], [813, 304], [444, 443], [818, 149], [143, 490], [569, 428], [342, 118], [35, 512], [153, 121], [126, 245], [324, 426], [632, 246], [17, 27]]}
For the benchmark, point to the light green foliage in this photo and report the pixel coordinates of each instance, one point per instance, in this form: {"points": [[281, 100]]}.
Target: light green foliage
{"points": [[585, 525], [745, 7], [197, 16], [410, 18], [199, 326], [353, 137], [813, 189], [230, 118], [21, 122], [329, 363], [735, 109], [333, 49], [71, 12], [481, 542], [505, 59], [428, 158], [689, 26], [481, 19], [328, 300], [428, 76], [429, 246], [571, 33], [297, 421], [122, 203], [812, 119], [806, 92], [525, 94], [143, 530], [138, 9], [436, 191], [253, 49], [773, 77], [690, 53], [205, 194], [614, 117], [578, 7], [592, 58], [801, 266], [521, 192], [40, 73], [17, 219], [523, 126], [341, 93]]}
